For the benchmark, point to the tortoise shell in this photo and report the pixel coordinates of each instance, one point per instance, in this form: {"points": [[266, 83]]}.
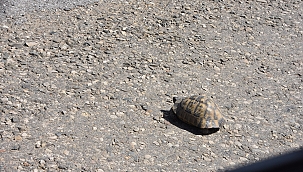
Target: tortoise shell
{"points": [[198, 111]]}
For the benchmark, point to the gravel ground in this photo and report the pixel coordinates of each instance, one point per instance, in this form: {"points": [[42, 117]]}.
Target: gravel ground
{"points": [[90, 88], [19, 8]]}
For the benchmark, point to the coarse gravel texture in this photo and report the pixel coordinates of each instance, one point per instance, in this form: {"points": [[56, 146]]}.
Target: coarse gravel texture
{"points": [[19, 8], [90, 88]]}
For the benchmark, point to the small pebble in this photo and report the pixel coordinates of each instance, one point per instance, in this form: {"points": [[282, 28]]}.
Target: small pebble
{"points": [[38, 144], [42, 162], [15, 147], [113, 116], [24, 134], [30, 44], [147, 156], [206, 159], [217, 69], [243, 159], [66, 152], [136, 129], [238, 143], [211, 142], [85, 114], [133, 145], [232, 163], [238, 126], [144, 107], [156, 143], [53, 137]]}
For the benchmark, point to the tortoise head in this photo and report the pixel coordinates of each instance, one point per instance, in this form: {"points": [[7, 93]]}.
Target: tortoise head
{"points": [[177, 101]]}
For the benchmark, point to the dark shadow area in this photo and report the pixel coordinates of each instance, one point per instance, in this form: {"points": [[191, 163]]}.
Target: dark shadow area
{"points": [[173, 119], [290, 162]]}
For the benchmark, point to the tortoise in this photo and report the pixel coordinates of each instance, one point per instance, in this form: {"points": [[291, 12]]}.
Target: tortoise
{"points": [[198, 111]]}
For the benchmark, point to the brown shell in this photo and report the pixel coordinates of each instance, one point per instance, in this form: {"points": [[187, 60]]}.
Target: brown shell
{"points": [[198, 111]]}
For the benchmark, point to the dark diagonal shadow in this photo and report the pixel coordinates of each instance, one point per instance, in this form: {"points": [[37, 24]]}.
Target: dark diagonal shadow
{"points": [[173, 119]]}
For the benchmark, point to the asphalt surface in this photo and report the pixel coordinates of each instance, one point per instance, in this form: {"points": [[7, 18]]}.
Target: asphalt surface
{"points": [[19, 8], [90, 87]]}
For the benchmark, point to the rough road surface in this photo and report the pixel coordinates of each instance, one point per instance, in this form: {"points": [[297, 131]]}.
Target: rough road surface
{"points": [[90, 88], [19, 8]]}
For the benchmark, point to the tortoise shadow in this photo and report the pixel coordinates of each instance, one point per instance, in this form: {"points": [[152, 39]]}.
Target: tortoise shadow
{"points": [[173, 119]]}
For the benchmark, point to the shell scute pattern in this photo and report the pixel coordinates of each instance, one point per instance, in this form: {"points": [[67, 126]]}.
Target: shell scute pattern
{"points": [[198, 111]]}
